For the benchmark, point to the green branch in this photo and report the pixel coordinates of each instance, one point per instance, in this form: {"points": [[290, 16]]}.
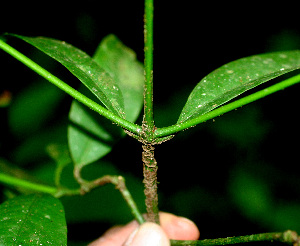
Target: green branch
{"points": [[13, 181], [149, 162], [165, 131], [17, 182], [288, 237], [69, 90]]}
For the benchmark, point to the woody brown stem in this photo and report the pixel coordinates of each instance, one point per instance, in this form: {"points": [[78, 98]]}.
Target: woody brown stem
{"points": [[150, 182]]}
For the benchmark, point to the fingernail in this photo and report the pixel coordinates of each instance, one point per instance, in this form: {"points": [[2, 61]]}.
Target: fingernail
{"points": [[148, 234]]}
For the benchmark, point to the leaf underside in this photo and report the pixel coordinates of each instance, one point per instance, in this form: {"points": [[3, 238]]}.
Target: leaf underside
{"points": [[33, 220], [234, 78]]}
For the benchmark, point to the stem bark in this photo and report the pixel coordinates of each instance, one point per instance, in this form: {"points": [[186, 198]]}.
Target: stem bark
{"points": [[150, 182]]}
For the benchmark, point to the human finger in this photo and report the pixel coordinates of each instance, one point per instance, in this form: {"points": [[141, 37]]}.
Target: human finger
{"points": [[148, 234]]}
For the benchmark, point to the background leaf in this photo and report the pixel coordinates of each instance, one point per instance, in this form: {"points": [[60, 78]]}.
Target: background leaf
{"points": [[90, 135], [236, 77], [99, 82], [126, 70], [33, 220], [33, 107]]}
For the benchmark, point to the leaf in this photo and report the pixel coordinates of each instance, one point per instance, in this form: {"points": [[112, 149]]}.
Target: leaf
{"points": [[99, 82], [234, 78], [127, 71], [33, 220], [91, 137]]}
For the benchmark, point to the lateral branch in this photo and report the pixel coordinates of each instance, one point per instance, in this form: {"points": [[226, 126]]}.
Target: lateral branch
{"points": [[289, 237]]}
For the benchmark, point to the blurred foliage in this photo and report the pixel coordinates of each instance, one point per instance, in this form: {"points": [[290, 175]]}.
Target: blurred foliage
{"points": [[36, 101], [234, 175]]}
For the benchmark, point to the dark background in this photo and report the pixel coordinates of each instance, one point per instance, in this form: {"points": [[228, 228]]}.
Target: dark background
{"points": [[235, 175]]}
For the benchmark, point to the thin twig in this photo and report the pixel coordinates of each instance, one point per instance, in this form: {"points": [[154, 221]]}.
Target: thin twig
{"points": [[119, 183], [289, 237]]}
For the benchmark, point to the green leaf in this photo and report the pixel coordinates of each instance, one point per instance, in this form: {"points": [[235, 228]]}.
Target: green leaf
{"points": [[33, 220], [91, 137], [99, 82], [126, 70], [234, 78]]}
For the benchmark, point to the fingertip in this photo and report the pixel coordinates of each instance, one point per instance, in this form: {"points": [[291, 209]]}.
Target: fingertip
{"points": [[179, 228], [115, 235], [148, 234]]}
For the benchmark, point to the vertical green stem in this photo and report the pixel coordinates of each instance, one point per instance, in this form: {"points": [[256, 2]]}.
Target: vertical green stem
{"points": [[149, 162], [148, 49]]}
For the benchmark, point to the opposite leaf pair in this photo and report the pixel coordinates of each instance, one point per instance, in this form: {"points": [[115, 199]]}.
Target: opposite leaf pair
{"points": [[116, 78]]}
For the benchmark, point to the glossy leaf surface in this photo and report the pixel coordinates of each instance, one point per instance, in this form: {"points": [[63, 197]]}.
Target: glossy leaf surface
{"points": [[90, 135], [234, 78], [99, 82], [33, 220]]}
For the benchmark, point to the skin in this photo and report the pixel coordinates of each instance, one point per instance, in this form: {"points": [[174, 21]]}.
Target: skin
{"points": [[171, 227]]}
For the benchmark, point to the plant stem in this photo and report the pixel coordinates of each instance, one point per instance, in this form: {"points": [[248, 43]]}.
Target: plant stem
{"points": [[148, 62], [165, 131], [149, 162], [288, 237], [13, 181], [69, 90], [17, 182], [150, 182]]}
